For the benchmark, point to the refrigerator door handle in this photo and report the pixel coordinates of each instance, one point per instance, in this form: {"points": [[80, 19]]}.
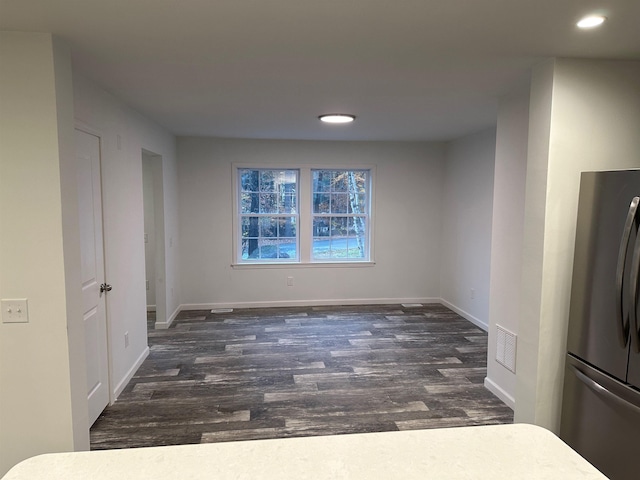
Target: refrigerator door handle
{"points": [[633, 307], [603, 392], [623, 323]]}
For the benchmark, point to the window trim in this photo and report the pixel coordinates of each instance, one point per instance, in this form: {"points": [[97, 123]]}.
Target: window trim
{"points": [[238, 215], [367, 215], [305, 218]]}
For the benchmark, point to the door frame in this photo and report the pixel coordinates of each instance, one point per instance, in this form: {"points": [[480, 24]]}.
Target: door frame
{"points": [[86, 128]]}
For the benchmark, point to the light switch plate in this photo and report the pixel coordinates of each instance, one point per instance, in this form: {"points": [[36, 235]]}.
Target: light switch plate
{"points": [[14, 310]]}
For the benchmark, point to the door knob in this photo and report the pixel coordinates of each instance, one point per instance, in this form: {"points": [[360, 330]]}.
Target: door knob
{"points": [[105, 287]]}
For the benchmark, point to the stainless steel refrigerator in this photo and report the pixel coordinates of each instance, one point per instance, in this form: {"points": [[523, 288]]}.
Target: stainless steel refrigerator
{"points": [[601, 401]]}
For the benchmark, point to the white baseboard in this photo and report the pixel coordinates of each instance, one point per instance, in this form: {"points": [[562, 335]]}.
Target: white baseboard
{"points": [[476, 321], [307, 303], [172, 317], [132, 371], [500, 393]]}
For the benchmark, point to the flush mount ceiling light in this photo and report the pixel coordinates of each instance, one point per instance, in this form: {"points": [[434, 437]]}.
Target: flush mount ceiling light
{"points": [[591, 21], [337, 118]]}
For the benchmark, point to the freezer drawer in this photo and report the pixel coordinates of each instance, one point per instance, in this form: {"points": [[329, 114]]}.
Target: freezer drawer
{"points": [[601, 420]]}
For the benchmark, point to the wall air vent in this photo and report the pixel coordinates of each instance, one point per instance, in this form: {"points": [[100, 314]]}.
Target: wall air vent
{"points": [[506, 348]]}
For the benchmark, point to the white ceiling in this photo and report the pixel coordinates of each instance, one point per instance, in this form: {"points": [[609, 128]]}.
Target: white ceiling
{"points": [[409, 69]]}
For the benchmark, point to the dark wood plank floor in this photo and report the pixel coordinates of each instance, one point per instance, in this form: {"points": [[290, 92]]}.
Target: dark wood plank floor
{"points": [[285, 372]]}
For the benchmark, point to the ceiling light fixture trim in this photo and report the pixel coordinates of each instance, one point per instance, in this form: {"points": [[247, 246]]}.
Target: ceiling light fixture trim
{"points": [[337, 118]]}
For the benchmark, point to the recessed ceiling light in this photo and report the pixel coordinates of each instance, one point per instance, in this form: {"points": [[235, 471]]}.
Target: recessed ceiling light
{"points": [[337, 118], [591, 21]]}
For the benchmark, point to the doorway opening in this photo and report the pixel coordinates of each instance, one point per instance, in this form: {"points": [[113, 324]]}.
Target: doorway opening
{"points": [[154, 238]]}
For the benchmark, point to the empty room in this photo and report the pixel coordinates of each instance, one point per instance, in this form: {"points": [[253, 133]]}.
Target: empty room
{"points": [[237, 227]]}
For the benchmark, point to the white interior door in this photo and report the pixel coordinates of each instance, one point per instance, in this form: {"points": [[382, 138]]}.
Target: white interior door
{"points": [[93, 299]]}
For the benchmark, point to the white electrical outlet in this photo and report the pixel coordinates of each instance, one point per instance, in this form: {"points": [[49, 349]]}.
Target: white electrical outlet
{"points": [[147, 284], [14, 310], [126, 339], [290, 281], [473, 293]]}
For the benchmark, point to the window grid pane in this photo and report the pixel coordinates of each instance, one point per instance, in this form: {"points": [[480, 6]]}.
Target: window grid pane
{"points": [[340, 214], [268, 214]]}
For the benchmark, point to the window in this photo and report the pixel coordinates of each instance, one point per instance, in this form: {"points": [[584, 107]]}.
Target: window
{"points": [[302, 216], [269, 214], [340, 216]]}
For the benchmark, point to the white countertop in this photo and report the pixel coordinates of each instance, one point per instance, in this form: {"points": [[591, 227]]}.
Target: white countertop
{"points": [[489, 452]]}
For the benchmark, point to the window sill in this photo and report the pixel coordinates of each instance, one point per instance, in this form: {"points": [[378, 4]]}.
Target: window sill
{"points": [[249, 266]]}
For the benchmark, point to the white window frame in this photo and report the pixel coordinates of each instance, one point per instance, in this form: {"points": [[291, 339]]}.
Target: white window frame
{"points": [[305, 219], [366, 214], [239, 216]]}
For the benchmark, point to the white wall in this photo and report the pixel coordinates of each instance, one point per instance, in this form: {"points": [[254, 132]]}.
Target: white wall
{"points": [[584, 115], [408, 196], [124, 135], [507, 233], [466, 225], [43, 404]]}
